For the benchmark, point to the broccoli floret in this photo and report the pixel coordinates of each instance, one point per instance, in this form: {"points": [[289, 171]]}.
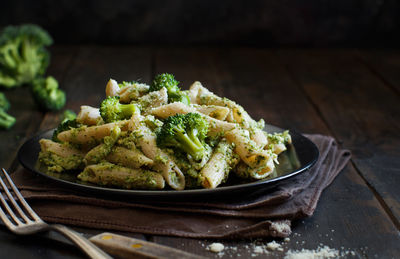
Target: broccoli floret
{"points": [[64, 126], [186, 132], [4, 103], [112, 110], [174, 92], [47, 95], [69, 115], [68, 122], [127, 83], [6, 120], [23, 55]]}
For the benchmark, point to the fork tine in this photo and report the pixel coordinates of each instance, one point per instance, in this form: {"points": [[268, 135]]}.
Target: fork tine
{"points": [[5, 219], [14, 203], [8, 209], [21, 199]]}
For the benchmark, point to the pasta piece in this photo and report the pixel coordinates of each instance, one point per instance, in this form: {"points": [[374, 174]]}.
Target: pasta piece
{"points": [[258, 136], [146, 140], [217, 169], [278, 148], [194, 92], [277, 141], [245, 171], [171, 109], [206, 97], [90, 135], [60, 157], [131, 92], [216, 112], [132, 158], [215, 126], [152, 100], [89, 116], [98, 153], [62, 150], [128, 91], [113, 175], [112, 88], [252, 154], [218, 127]]}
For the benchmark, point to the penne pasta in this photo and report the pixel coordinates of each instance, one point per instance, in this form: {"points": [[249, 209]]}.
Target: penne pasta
{"points": [[112, 88], [63, 150], [89, 116], [171, 109], [146, 141], [99, 152], [60, 157], [132, 92], [113, 175], [265, 170], [132, 158], [216, 112], [90, 135], [221, 162], [128, 91], [152, 100], [252, 154], [206, 97]]}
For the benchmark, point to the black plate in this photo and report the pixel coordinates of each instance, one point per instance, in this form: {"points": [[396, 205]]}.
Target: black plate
{"points": [[299, 157]]}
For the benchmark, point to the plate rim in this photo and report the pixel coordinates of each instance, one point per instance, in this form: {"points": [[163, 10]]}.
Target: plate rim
{"points": [[171, 193]]}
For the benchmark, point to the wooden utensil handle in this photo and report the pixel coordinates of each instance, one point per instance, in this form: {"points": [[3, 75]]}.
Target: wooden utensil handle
{"points": [[128, 247]]}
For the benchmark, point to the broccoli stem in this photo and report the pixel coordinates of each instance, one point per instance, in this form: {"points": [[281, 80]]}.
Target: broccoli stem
{"points": [[190, 144], [6, 120]]}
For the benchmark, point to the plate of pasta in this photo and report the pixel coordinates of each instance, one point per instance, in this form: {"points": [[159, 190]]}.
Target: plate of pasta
{"points": [[150, 140]]}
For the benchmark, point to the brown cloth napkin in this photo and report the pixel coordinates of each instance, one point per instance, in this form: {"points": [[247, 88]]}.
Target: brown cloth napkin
{"points": [[259, 214]]}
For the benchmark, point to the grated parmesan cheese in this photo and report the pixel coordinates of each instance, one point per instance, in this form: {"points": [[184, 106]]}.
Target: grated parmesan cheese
{"points": [[216, 247], [321, 253], [273, 246]]}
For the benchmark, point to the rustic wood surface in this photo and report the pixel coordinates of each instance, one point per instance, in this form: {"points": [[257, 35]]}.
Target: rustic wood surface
{"points": [[350, 94]]}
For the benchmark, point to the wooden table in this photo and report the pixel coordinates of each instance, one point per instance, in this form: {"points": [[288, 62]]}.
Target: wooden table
{"points": [[353, 95]]}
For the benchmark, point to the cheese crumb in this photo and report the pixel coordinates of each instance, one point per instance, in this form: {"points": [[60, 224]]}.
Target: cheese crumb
{"points": [[216, 247], [273, 245], [321, 253], [258, 250]]}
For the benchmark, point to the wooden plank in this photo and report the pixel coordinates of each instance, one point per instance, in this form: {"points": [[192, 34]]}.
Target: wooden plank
{"points": [[385, 64], [25, 111], [257, 80], [361, 111]]}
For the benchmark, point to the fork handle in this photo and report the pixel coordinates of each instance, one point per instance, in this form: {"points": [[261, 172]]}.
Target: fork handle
{"points": [[84, 244]]}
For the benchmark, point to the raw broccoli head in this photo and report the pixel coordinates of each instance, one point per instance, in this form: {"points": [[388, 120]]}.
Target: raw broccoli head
{"points": [[23, 55], [112, 110], [174, 92], [4, 103], [47, 95], [185, 132], [6, 120]]}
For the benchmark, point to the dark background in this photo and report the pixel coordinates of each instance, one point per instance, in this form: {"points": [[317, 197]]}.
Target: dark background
{"points": [[312, 23]]}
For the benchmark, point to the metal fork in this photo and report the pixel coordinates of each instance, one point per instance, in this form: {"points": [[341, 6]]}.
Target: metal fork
{"points": [[24, 221]]}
